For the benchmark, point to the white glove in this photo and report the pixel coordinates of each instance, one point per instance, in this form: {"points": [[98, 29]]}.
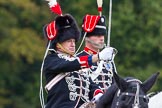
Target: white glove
{"points": [[107, 53], [96, 98]]}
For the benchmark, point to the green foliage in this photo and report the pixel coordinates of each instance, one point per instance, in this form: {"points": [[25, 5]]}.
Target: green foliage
{"points": [[136, 33]]}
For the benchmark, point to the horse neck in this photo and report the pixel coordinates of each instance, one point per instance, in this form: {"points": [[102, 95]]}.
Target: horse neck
{"points": [[115, 99]]}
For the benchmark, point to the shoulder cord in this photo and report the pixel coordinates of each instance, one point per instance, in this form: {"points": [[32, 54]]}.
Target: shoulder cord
{"points": [[41, 95], [81, 43]]}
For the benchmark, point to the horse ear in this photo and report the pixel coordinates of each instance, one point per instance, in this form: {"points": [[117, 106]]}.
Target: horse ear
{"points": [[149, 82], [121, 83]]}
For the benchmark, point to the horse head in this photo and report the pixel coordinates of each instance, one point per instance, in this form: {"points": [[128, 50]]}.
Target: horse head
{"points": [[127, 92]]}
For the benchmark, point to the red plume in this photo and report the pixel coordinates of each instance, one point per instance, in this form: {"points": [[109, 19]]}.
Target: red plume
{"points": [[55, 7]]}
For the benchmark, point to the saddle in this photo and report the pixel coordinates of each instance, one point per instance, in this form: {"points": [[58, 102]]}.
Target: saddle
{"points": [[88, 105]]}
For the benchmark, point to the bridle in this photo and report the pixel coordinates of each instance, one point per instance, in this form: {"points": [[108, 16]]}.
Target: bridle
{"points": [[136, 95]]}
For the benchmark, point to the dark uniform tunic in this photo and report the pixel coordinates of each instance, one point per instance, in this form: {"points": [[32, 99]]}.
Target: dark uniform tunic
{"points": [[105, 77], [75, 88]]}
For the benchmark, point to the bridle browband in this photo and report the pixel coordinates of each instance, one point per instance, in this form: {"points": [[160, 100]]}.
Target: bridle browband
{"points": [[136, 95]]}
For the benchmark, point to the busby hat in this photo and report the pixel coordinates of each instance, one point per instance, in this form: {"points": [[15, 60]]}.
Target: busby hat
{"points": [[66, 28], [94, 25], [61, 29]]}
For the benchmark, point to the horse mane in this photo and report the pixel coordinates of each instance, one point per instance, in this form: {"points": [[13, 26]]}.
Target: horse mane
{"points": [[153, 94], [108, 96]]}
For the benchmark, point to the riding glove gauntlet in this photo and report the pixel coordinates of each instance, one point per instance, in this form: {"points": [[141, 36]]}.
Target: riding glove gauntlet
{"points": [[106, 54], [96, 98]]}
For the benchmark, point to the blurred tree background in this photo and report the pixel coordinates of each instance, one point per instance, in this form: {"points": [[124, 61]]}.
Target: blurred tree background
{"points": [[136, 32]]}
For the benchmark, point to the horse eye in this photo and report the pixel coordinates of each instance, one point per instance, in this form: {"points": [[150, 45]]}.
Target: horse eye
{"points": [[146, 100]]}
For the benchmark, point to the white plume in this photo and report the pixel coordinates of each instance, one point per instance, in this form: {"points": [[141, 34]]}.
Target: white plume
{"points": [[51, 2], [99, 3]]}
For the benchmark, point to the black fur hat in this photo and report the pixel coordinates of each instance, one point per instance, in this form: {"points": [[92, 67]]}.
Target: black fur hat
{"points": [[99, 29], [66, 28]]}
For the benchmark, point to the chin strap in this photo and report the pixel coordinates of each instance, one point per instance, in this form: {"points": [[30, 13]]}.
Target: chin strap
{"points": [[99, 46], [65, 50]]}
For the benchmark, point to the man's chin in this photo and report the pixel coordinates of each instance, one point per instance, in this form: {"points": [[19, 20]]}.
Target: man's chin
{"points": [[72, 51], [100, 46]]}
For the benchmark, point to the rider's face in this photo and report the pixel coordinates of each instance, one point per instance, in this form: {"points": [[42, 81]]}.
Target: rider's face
{"points": [[69, 45], [98, 41]]}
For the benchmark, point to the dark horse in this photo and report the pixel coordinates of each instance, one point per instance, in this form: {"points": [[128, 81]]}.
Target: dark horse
{"points": [[127, 93]]}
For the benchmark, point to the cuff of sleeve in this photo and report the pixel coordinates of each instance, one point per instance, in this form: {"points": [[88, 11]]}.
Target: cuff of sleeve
{"points": [[90, 60], [85, 61], [98, 56], [97, 92]]}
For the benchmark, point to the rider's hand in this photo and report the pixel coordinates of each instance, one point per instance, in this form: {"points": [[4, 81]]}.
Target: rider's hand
{"points": [[107, 53]]}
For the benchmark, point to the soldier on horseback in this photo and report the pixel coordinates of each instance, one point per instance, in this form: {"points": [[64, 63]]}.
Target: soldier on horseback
{"points": [[68, 86], [68, 83], [94, 31]]}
